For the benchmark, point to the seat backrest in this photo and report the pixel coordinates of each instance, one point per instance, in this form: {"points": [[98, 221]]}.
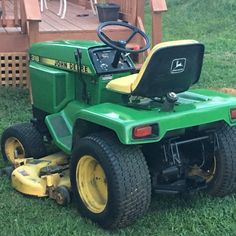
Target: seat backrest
{"points": [[170, 67]]}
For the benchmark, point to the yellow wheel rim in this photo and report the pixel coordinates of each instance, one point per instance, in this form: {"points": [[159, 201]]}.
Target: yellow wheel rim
{"points": [[92, 184], [208, 175], [14, 149], [211, 172]]}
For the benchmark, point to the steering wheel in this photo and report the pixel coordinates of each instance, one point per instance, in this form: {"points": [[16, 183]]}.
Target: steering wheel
{"points": [[121, 45]]}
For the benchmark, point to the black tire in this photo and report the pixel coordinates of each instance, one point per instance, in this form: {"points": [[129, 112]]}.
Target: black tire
{"points": [[62, 195], [8, 171], [1, 172], [27, 136], [127, 178], [224, 180]]}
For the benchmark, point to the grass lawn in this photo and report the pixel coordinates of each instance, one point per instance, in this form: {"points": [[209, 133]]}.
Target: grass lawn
{"points": [[211, 22]]}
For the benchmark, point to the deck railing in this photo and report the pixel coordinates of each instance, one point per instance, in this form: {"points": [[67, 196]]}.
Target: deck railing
{"points": [[20, 13], [128, 9], [24, 16], [31, 16], [157, 7], [10, 13]]}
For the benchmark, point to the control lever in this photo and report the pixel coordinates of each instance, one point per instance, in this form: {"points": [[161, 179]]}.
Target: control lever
{"points": [[120, 43]]}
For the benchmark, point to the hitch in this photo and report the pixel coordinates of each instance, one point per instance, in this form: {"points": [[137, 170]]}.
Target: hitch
{"points": [[179, 173]]}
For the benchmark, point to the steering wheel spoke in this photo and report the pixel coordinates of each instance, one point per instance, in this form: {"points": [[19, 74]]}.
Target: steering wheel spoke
{"points": [[106, 37], [132, 36]]}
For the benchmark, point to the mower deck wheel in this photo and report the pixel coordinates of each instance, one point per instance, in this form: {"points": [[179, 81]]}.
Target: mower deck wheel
{"points": [[62, 195]]}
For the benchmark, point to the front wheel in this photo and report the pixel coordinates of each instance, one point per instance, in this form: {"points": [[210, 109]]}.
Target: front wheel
{"points": [[110, 181], [22, 141]]}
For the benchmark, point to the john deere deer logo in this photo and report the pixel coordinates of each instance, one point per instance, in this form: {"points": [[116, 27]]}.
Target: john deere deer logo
{"points": [[178, 65]]}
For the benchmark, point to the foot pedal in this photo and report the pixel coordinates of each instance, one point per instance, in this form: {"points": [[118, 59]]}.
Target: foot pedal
{"points": [[60, 130]]}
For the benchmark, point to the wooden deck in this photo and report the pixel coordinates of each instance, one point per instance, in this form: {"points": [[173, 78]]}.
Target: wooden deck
{"points": [[77, 18], [22, 24], [79, 23]]}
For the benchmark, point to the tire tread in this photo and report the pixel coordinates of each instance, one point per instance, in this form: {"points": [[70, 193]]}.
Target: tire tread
{"points": [[131, 180], [30, 138], [225, 182]]}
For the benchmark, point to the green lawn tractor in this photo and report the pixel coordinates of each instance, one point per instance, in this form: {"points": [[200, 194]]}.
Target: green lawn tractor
{"points": [[121, 134]]}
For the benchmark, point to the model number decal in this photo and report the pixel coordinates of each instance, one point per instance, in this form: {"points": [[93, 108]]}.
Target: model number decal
{"points": [[34, 58], [60, 64]]}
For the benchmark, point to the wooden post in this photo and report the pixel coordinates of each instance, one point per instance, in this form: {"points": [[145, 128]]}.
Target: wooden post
{"points": [[156, 28], [4, 23], [140, 9], [157, 7], [33, 37], [33, 17], [140, 24], [16, 17], [23, 18], [31, 11], [33, 31]]}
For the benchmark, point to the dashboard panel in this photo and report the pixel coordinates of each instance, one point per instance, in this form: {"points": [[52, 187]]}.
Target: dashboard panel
{"points": [[103, 57]]}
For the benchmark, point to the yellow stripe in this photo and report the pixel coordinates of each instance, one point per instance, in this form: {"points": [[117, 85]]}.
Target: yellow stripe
{"points": [[47, 61], [60, 64]]}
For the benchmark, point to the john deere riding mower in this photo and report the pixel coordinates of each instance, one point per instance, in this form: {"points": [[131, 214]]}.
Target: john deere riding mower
{"points": [[121, 134]]}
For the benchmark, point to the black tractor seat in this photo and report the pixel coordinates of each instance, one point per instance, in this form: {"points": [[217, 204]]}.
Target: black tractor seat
{"points": [[170, 67]]}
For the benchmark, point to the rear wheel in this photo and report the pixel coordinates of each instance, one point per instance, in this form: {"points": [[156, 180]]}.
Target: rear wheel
{"points": [[222, 180], [218, 165], [110, 181], [22, 141]]}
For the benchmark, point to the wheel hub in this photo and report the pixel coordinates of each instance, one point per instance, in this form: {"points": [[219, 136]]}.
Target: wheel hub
{"points": [[208, 174], [92, 184], [14, 149]]}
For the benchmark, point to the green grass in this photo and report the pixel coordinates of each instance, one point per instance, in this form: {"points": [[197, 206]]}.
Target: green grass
{"points": [[211, 22]]}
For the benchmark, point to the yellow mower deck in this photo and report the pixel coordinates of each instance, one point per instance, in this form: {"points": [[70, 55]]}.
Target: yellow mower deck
{"points": [[39, 177]]}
